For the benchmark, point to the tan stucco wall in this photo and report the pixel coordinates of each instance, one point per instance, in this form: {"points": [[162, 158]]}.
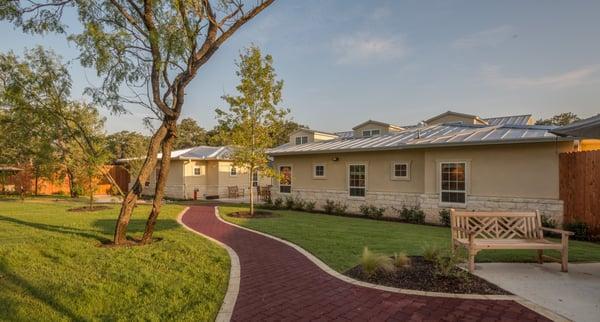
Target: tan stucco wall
{"points": [[589, 145], [517, 170], [312, 136], [373, 126], [454, 119]]}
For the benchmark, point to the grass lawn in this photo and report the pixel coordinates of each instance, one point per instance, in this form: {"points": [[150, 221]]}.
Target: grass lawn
{"points": [[51, 267], [338, 241]]}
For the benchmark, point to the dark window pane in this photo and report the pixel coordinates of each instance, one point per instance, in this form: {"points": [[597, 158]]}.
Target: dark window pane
{"points": [[285, 189]]}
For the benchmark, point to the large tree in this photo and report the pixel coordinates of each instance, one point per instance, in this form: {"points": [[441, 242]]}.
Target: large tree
{"points": [[128, 145], [559, 119], [157, 46], [253, 114], [189, 134]]}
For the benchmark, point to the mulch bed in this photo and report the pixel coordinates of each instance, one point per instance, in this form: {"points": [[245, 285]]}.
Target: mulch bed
{"points": [[257, 214], [88, 209], [421, 275]]}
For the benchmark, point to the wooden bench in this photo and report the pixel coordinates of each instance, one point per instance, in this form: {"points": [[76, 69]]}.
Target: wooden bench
{"points": [[234, 192], [478, 231]]}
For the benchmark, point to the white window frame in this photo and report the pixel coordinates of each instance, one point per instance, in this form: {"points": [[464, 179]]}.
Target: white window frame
{"points": [[370, 131], [291, 177], [301, 138], [255, 183], [365, 164], [194, 170], [233, 171], [467, 185], [314, 171], [393, 170]]}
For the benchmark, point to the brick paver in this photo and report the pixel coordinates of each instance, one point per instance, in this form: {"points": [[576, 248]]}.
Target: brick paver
{"points": [[280, 284]]}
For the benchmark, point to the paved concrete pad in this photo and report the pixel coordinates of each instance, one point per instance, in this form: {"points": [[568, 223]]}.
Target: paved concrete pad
{"points": [[575, 295]]}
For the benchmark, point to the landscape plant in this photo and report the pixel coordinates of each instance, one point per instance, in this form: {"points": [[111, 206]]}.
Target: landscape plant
{"points": [[372, 211], [445, 217], [413, 215], [147, 54], [400, 259], [371, 262]]}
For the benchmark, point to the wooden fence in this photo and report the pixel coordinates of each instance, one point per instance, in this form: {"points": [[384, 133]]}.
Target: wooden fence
{"points": [[580, 187]]}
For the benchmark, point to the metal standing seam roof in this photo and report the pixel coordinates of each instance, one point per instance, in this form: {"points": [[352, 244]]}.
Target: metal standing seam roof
{"points": [[428, 136], [195, 153], [509, 120]]}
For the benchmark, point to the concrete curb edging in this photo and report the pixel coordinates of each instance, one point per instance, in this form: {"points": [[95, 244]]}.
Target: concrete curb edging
{"points": [[530, 305], [233, 286]]}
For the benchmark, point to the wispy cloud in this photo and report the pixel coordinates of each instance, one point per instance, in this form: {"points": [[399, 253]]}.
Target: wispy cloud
{"points": [[486, 38], [364, 48], [493, 75]]}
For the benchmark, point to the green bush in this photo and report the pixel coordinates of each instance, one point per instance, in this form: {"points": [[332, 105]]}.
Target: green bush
{"points": [[278, 203], [431, 252], [309, 206], [400, 259], [329, 206], [289, 202], [372, 262], [445, 264], [298, 204], [413, 215], [372, 211], [580, 229], [340, 208], [445, 217], [548, 222]]}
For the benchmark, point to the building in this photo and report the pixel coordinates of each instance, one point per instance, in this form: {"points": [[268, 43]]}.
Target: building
{"points": [[200, 172], [450, 160]]}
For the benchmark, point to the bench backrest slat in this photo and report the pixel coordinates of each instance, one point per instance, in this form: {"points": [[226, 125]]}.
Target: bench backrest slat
{"points": [[496, 225]]}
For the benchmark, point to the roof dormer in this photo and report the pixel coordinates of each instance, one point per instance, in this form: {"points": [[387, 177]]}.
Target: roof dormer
{"points": [[303, 136], [374, 128], [455, 117]]}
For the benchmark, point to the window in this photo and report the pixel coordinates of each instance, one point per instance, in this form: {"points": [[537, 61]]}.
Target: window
{"points": [[255, 179], [401, 171], [369, 133], [197, 171], [319, 171], [453, 182], [301, 140], [233, 171], [285, 179], [357, 176]]}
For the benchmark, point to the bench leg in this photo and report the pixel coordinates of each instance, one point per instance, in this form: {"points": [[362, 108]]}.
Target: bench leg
{"points": [[472, 261], [564, 254], [540, 254]]}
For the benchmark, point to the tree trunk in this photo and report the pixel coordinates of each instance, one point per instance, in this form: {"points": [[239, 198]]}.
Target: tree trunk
{"points": [[132, 195], [251, 191], [159, 191], [72, 183], [36, 184], [91, 193]]}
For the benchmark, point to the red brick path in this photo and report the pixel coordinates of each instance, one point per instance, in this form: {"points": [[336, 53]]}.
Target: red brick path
{"points": [[280, 284]]}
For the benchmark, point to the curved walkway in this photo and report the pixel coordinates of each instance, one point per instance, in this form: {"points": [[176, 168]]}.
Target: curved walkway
{"points": [[279, 283]]}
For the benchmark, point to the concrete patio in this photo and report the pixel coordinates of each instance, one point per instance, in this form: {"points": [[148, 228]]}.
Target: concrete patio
{"points": [[575, 295]]}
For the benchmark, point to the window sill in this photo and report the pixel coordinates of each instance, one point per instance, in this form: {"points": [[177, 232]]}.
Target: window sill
{"points": [[400, 179], [319, 178], [357, 197], [452, 205]]}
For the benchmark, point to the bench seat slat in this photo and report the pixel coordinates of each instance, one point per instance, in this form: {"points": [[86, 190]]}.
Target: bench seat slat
{"points": [[511, 243]]}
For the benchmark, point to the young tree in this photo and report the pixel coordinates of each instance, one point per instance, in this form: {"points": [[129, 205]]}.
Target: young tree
{"points": [[189, 134], [253, 114], [156, 45], [559, 119]]}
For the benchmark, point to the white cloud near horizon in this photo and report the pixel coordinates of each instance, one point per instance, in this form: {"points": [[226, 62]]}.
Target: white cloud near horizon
{"points": [[487, 38], [363, 47], [492, 74]]}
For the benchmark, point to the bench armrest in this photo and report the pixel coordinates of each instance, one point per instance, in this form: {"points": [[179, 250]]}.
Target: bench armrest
{"points": [[558, 231]]}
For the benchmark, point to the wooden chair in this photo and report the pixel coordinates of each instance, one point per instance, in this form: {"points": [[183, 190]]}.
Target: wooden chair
{"points": [[235, 192], [478, 231]]}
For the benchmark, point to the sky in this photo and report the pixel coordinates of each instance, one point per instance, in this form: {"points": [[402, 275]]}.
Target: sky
{"points": [[400, 62]]}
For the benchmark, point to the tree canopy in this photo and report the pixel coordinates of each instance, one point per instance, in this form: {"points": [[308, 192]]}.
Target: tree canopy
{"points": [[559, 119]]}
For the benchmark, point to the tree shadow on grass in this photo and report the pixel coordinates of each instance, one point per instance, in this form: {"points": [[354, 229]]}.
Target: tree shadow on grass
{"points": [[107, 226], [93, 234], [11, 280]]}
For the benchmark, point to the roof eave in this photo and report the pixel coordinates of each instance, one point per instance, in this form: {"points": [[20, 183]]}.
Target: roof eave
{"points": [[432, 145]]}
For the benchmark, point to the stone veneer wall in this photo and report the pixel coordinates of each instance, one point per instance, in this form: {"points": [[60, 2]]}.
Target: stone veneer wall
{"points": [[428, 202]]}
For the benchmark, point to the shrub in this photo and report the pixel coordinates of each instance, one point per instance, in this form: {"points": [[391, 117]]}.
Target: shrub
{"points": [[310, 206], [289, 202], [340, 208], [400, 259], [413, 215], [372, 262], [548, 221], [431, 252], [445, 264], [298, 204], [580, 229], [445, 217], [329, 206], [278, 203], [372, 211], [364, 210]]}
